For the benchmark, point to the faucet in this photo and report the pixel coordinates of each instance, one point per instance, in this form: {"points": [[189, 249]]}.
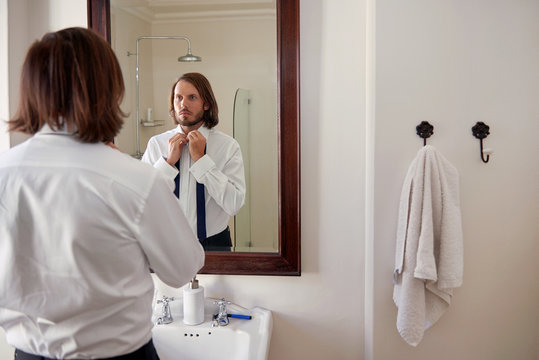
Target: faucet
{"points": [[166, 316], [221, 319]]}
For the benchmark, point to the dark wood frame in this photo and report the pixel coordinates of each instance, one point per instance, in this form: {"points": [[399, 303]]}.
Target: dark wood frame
{"points": [[288, 260]]}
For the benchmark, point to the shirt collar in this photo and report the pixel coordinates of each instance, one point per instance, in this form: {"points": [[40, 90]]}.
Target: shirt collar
{"points": [[46, 129], [203, 130]]}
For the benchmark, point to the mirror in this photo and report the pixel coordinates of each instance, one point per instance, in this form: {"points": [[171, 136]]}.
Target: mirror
{"points": [[286, 261], [236, 48]]}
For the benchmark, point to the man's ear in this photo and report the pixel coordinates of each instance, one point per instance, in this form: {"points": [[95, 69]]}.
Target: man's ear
{"points": [[206, 106]]}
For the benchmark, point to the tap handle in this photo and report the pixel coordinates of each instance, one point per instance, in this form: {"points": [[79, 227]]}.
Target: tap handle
{"points": [[165, 300], [222, 302], [222, 305]]}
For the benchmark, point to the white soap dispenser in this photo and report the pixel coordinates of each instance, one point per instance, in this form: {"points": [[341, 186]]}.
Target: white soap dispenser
{"points": [[193, 303]]}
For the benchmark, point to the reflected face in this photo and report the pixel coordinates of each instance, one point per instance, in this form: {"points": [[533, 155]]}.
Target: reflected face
{"points": [[189, 107]]}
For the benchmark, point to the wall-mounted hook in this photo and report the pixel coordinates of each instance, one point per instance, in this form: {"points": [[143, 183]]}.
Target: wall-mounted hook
{"points": [[424, 130], [481, 131]]}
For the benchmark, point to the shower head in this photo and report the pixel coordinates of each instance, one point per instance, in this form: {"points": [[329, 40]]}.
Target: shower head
{"points": [[189, 58], [186, 58]]}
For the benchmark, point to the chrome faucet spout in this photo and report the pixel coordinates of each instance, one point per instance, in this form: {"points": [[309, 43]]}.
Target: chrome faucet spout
{"points": [[166, 315], [221, 318]]}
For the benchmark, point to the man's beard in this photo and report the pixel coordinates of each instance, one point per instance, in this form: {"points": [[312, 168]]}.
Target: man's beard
{"points": [[188, 123]]}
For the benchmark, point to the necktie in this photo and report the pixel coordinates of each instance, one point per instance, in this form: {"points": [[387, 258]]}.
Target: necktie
{"points": [[201, 203]]}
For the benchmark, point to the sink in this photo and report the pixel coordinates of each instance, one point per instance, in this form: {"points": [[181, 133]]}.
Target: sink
{"points": [[239, 340]]}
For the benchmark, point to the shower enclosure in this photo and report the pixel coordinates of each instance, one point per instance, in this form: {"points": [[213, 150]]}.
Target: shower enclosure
{"points": [[189, 57]]}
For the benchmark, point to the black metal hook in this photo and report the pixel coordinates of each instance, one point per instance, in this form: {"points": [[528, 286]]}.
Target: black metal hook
{"points": [[481, 131], [424, 130]]}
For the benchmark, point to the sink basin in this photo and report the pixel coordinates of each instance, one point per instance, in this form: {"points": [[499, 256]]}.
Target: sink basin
{"points": [[239, 340]]}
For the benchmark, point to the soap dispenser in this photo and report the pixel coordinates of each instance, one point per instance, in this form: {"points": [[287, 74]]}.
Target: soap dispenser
{"points": [[193, 303]]}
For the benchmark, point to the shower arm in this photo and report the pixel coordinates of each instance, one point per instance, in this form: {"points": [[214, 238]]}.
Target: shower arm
{"points": [[138, 154]]}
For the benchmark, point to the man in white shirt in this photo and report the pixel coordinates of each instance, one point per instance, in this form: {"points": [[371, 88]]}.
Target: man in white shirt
{"points": [[206, 164], [81, 223]]}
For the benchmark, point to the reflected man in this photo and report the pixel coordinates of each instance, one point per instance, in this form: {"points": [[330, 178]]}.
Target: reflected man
{"points": [[206, 164]]}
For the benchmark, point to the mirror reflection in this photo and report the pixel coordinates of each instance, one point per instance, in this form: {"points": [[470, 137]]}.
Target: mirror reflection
{"points": [[237, 46]]}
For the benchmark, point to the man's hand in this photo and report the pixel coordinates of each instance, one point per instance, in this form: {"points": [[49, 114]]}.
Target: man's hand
{"points": [[175, 147], [197, 144]]}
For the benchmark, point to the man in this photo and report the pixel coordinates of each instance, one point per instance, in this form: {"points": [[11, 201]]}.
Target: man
{"points": [[81, 223], [206, 164]]}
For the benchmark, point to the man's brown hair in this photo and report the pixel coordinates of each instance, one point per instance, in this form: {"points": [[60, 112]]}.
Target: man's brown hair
{"points": [[71, 77], [199, 81]]}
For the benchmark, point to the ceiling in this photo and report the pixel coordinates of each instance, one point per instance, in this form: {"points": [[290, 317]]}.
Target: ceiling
{"points": [[174, 10]]}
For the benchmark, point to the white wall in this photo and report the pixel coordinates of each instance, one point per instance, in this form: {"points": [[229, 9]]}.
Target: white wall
{"points": [[454, 63], [5, 350], [28, 21], [18, 42], [4, 74]]}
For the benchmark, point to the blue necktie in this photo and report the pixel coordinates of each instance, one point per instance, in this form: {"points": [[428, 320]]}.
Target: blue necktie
{"points": [[201, 204]]}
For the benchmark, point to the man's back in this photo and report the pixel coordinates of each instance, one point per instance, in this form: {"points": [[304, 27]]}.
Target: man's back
{"points": [[74, 265]]}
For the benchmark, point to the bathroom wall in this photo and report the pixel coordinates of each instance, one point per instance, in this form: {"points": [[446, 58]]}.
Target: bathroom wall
{"points": [[14, 57], [27, 21], [454, 63], [4, 74]]}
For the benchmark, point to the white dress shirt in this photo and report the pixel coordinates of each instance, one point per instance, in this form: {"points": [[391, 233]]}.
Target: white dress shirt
{"points": [[220, 171], [80, 226]]}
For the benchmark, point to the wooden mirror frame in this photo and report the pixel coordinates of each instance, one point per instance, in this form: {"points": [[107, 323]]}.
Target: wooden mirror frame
{"points": [[287, 260]]}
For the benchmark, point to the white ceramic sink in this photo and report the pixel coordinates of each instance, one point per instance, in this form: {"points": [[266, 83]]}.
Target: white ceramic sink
{"points": [[239, 340]]}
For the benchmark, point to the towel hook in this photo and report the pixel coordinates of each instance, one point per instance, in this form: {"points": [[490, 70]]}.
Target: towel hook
{"points": [[481, 131], [424, 130]]}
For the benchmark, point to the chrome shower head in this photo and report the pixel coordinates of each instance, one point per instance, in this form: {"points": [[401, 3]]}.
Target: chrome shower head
{"points": [[189, 58]]}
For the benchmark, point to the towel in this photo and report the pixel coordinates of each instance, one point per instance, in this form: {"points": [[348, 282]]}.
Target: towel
{"points": [[429, 252]]}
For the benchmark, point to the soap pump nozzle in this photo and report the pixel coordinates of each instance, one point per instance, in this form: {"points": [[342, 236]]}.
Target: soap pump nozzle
{"points": [[193, 284]]}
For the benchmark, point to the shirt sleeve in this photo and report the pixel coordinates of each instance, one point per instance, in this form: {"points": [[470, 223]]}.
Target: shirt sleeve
{"points": [[152, 153], [153, 156], [226, 186], [173, 251]]}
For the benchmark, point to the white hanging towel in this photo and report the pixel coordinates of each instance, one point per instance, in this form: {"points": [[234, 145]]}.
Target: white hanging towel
{"points": [[429, 254]]}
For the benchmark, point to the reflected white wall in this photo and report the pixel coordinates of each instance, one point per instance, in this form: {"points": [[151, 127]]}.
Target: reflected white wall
{"points": [[125, 29]]}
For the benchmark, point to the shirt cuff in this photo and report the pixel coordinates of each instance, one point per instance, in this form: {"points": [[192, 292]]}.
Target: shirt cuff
{"points": [[201, 167], [162, 165]]}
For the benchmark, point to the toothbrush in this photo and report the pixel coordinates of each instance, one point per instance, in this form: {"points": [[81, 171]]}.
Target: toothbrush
{"points": [[238, 316]]}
